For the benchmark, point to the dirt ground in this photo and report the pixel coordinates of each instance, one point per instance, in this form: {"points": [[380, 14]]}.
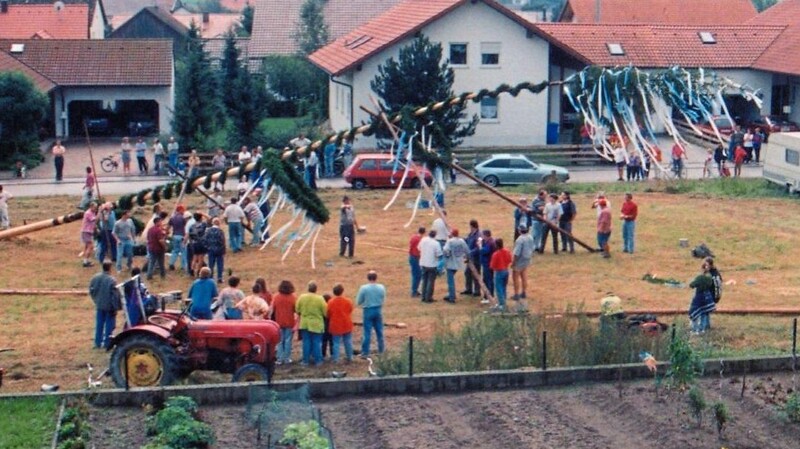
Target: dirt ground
{"points": [[597, 416], [586, 417], [52, 336]]}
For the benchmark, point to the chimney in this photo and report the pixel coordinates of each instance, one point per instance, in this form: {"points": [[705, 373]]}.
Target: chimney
{"points": [[205, 17], [3, 6]]}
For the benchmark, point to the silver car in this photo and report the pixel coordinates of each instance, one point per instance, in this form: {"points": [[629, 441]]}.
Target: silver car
{"points": [[516, 169]]}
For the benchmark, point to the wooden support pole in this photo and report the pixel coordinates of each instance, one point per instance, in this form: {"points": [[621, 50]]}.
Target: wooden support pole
{"points": [[507, 198]]}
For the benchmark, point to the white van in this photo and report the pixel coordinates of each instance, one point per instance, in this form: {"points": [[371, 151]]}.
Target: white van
{"points": [[782, 160]]}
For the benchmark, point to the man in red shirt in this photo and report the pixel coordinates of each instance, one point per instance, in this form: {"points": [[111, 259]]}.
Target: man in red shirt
{"points": [[340, 323], [157, 247], [628, 216], [413, 261], [678, 155], [603, 227], [739, 155]]}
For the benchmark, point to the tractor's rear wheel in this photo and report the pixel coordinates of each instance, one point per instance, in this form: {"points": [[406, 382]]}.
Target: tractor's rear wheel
{"points": [[252, 372], [145, 361]]}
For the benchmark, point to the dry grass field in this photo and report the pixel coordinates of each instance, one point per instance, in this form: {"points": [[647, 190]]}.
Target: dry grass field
{"points": [[754, 240]]}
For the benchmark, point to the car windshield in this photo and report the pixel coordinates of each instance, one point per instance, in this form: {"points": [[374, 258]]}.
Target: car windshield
{"points": [[722, 122]]}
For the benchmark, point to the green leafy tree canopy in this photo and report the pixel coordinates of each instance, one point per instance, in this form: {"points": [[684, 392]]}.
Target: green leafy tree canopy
{"points": [[311, 33], [22, 108], [418, 77]]}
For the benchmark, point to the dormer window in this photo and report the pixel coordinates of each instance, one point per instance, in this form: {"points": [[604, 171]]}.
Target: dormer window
{"points": [[707, 38], [615, 49]]}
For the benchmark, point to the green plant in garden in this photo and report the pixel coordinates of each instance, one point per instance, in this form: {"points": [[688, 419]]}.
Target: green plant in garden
{"points": [[685, 364], [175, 427], [304, 435], [74, 432], [697, 404], [721, 416], [792, 407], [183, 402]]}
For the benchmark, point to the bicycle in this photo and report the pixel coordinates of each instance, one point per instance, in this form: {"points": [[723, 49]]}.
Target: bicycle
{"points": [[109, 164]]}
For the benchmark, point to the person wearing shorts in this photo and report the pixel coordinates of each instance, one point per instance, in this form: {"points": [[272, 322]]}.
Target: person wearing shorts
{"points": [[126, 149], [87, 233], [522, 256], [603, 227]]}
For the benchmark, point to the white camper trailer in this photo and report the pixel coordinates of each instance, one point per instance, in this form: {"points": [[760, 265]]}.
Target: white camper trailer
{"points": [[782, 160]]}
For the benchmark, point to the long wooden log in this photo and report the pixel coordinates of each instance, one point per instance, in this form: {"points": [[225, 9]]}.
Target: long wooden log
{"points": [[42, 292], [69, 218], [507, 198]]}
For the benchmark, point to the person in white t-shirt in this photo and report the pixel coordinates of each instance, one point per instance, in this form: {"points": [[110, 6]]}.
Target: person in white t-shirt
{"points": [[5, 223]]}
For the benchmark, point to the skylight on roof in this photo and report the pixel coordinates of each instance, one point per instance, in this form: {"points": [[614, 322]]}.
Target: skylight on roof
{"points": [[707, 37], [615, 49], [17, 48]]}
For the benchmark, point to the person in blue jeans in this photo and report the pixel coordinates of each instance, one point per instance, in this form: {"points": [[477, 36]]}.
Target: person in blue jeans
{"points": [[413, 261], [500, 264], [124, 232], [330, 154], [370, 298], [103, 290], [214, 242], [455, 251], [178, 246], [234, 214]]}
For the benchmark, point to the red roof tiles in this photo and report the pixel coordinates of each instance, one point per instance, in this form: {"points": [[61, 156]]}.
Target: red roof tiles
{"points": [[111, 62], [682, 12], [401, 21], [781, 56], [25, 21], [275, 22], [666, 45], [10, 64]]}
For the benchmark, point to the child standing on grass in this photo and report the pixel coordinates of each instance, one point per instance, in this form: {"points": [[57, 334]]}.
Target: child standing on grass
{"points": [[500, 263]]}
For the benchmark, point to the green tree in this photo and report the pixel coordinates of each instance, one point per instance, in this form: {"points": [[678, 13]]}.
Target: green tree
{"points": [[197, 111], [294, 79], [311, 33], [230, 70], [22, 108], [416, 78], [245, 27], [763, 4]]}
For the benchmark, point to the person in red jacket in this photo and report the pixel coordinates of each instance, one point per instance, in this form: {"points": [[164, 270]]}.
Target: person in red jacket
{"points": [[413, 261], [499, 264], [739, 155], [603, 228], [283, 304], [628, 216], [340, 323]]}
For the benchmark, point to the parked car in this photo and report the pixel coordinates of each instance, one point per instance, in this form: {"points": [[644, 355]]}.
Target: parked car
{"points": [[773, 124], [376, 170], [98, 126], [516, 169], [723, 124], [142, 127]]}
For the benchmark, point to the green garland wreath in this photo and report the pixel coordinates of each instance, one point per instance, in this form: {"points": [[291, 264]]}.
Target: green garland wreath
{"points": [[207, 181], [156, 197], [140, 200], [167, 192], [284, 175]]}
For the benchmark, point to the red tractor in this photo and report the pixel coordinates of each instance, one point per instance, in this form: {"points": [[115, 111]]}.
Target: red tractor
{"points": [[171, 345]]}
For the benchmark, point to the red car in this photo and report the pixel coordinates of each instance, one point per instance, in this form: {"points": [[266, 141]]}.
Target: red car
{"points": [[375, 170], [722, 123], [773, 124]]}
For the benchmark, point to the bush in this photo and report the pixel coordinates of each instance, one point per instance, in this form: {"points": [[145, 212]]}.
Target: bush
{"points": [[792, 407], [489, 342], [183, 402], [685, 364], [697, 404], [721, 416], [304, 435], [175, 427]]}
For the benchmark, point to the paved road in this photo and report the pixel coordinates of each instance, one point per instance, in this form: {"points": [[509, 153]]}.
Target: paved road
{"points": [[131, 184]]}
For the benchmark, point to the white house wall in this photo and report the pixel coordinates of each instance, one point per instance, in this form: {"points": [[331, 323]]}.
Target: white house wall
{"points": [[521, 120], [164, 96], [97, 29]]}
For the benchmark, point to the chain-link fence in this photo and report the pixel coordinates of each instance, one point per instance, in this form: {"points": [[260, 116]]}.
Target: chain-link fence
{"points": [[271, 411]]}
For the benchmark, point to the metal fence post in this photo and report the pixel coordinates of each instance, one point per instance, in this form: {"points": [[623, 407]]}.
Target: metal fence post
{"points": [[544, 350]]}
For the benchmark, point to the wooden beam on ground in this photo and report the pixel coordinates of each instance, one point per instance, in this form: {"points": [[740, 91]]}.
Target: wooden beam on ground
{"points": [[41, 292]]}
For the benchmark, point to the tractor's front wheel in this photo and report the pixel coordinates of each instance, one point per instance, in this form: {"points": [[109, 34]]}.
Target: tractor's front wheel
{"points": [[252, 372], [145, 361]]}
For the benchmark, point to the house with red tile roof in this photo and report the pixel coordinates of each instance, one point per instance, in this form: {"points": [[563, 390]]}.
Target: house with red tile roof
{"points": [[41, 15], [275, 22], [131, 79], [680, 12], [486, 45]]}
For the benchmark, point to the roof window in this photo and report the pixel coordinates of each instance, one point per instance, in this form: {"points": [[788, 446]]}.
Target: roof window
{"points": [[615, 49], [17, 48], [707, 37]]}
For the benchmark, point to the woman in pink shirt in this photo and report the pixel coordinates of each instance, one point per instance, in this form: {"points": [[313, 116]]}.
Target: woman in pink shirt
{"points": [[603, 227], [87, 233]]}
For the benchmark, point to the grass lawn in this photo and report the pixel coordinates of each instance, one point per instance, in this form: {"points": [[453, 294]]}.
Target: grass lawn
{"points": [[753, 236], [27, 423], [274, 124]]}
